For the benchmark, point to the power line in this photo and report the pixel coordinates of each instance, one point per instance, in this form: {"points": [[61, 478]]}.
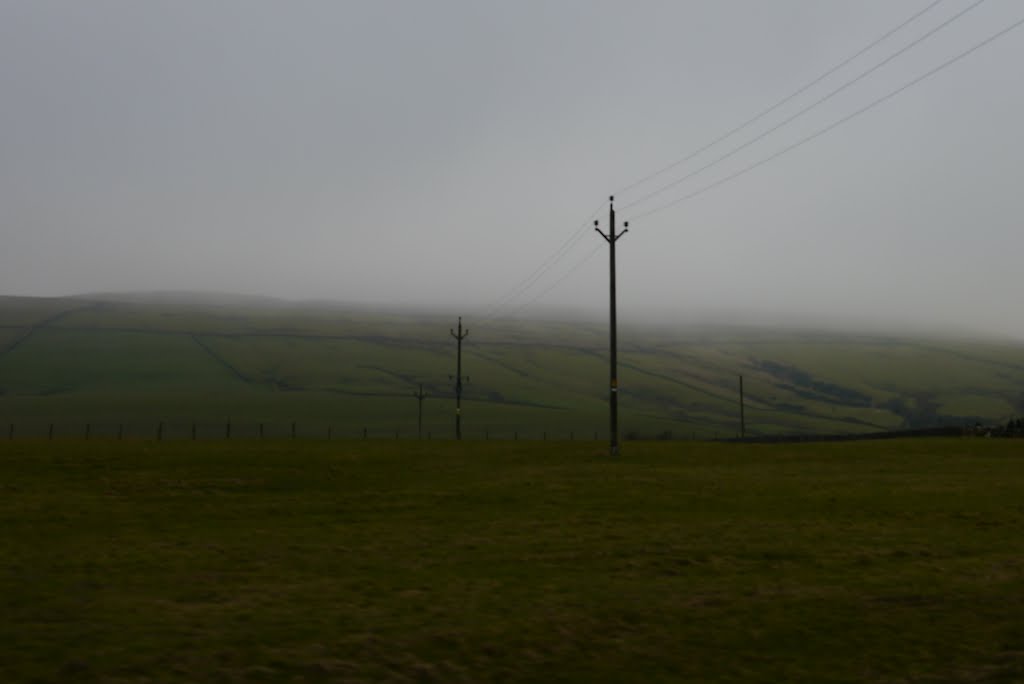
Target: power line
{"points": [[523, 286], [527, 283], [772, 108], [835, 124], [542, 269], [590, 255], [801, 112], [577, 234]]}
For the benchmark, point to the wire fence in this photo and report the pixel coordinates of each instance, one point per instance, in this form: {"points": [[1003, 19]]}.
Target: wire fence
{"points": [[210, 430], [178, 430], [241, 430]]}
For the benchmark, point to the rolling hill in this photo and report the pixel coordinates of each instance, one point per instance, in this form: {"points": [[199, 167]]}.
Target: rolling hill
{"points": [[140, 360]]}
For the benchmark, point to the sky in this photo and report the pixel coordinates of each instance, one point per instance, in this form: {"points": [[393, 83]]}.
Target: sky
{"points": [[436, 155]]}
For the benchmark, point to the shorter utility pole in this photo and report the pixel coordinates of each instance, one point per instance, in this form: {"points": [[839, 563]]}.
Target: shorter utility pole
{"points": [[458, 377], [420, 396], [743, 420]]}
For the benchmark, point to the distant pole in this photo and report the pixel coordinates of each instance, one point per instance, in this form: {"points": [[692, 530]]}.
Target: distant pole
{"points": [[420, 396], [458, 378], [613, 401], [743, 420]]}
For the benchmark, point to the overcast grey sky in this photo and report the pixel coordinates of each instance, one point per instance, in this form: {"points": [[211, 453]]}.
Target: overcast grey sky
{"points": [[436, 153]]}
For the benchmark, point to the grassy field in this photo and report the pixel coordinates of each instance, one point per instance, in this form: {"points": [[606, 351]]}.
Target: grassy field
{"points": [[284, 561], [142, 361]]}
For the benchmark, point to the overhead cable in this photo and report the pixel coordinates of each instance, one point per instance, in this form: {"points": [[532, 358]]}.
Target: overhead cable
{"points": [[559, 281], [859, 77], [542, 269], [799, 91], [835, 124]]}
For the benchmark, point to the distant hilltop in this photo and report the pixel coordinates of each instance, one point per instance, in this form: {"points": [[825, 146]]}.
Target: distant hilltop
{"points": [[183, 357]]}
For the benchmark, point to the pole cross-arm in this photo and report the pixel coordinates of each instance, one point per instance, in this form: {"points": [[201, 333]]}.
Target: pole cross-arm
{"points": [[462, 334], [613, 238]]}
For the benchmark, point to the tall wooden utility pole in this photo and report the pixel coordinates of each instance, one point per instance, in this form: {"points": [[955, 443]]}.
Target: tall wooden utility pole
{"points": [[458, 378], [420, 396], [613, 404]]}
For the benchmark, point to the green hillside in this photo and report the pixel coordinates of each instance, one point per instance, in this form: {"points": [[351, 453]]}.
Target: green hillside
{"points": [[131, 363]]}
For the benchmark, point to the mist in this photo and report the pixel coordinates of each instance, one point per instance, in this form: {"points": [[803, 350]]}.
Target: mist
{"points": [[434, 156]]}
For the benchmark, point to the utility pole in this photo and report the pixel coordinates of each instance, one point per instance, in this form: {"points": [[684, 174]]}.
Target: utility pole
{"points": [[743, 420], [613, 404], [420, 396], [458, 378]]}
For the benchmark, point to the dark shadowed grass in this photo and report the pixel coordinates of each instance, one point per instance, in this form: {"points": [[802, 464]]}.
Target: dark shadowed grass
{"points": [[404, 561]]}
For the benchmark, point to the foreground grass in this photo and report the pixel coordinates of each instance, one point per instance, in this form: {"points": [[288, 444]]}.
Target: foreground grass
{"points": [[390, 561]]}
